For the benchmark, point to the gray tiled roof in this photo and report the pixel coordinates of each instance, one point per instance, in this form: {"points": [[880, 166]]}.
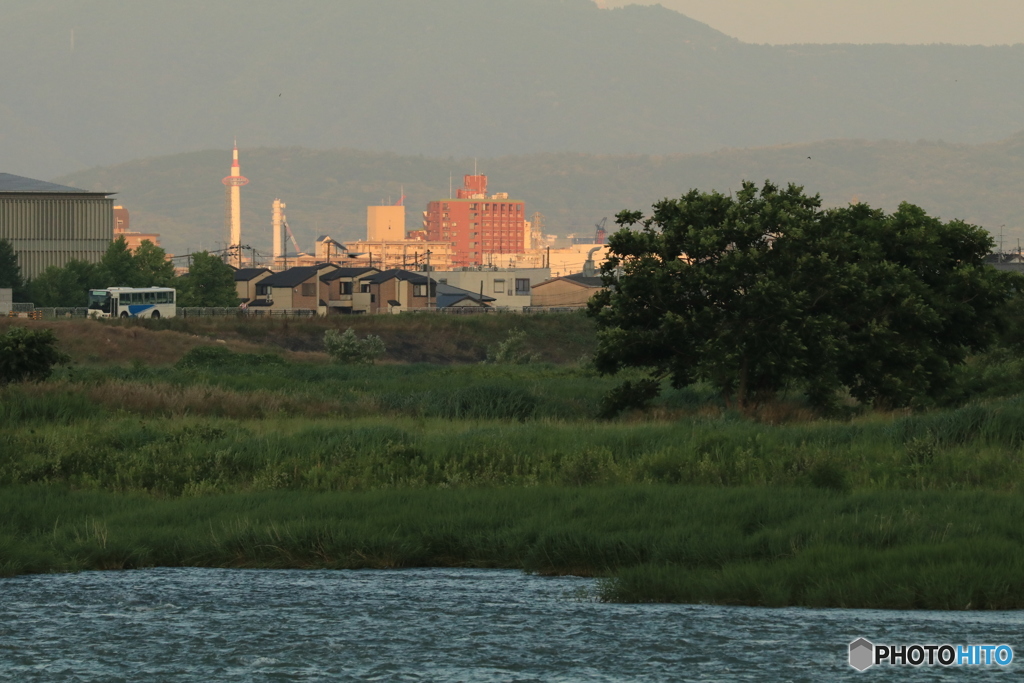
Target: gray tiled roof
{"points": [[346, 272], [414, 278], [246, 274], [291, 277], [584, 280]]}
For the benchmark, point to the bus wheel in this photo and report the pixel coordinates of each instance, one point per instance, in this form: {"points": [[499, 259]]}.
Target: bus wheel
{"points": [[156, 315], [124, 314]]}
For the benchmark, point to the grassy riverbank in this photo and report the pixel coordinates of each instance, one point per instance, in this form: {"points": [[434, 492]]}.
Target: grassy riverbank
{"points": [[660, 543], [276, 458]]}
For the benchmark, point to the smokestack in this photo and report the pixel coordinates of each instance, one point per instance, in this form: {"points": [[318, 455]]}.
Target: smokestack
{"points": [[277, 234]]}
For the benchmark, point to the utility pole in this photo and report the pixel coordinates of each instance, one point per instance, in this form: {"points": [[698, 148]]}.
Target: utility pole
{"points": [[428, 279]]}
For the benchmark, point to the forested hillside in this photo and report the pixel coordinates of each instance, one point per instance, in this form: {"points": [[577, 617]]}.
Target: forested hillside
{"points": [[103, 81]]}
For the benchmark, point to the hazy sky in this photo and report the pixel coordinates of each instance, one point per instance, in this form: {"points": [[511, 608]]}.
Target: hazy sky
{"points": [[970, 22]]}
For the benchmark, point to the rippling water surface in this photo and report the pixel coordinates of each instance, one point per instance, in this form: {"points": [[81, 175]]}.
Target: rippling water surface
{"points": [[432, 624]]}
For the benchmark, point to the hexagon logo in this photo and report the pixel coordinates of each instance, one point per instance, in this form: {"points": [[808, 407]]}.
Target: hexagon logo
{"points": [[861, 654]]}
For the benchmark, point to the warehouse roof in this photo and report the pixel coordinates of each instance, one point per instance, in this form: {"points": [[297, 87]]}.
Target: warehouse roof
{"points": [[16, 183]]}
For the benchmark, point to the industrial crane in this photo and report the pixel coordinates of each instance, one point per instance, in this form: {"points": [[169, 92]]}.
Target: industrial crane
{"points": [[601, 232]]}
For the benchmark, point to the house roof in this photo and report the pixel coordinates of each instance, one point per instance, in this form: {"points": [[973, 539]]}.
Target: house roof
{"points": [[16, 183], [399, 274], [346, 272], [246, 274], [291, 277], [580, 278], [447, 295]]}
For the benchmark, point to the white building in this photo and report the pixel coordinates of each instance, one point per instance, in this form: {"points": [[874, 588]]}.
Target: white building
{"points": [[510, 287]]}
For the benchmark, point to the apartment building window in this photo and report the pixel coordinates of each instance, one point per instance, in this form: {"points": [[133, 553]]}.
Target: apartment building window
{"points": [[499, 286], [364, 288], [308, 289], [522, 286], [344, 288], [263, 290]]}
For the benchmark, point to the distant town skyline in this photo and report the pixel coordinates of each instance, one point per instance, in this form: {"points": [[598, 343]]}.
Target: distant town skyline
{"points": [[781, 22]]}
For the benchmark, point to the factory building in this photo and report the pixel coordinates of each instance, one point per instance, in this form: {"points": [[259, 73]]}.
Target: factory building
{"points": [[49, 225], [480, 228]]}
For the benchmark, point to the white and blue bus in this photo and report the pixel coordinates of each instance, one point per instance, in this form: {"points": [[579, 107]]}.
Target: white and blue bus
{"points": [[132, 302]]}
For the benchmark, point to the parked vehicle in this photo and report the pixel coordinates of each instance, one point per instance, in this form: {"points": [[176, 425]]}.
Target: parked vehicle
{"points": [[132, 302]]}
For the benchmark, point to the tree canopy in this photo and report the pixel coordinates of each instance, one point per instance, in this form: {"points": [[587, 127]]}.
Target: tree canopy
{"points": [[210, 282], [10, 271], [764, 290], [68, 285]]}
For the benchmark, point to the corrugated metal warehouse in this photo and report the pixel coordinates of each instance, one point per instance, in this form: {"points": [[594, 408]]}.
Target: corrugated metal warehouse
{"points": [[49, 225]]}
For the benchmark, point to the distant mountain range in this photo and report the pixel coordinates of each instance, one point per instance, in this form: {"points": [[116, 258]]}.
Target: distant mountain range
{"points": [[97, 82], [181, 196]]}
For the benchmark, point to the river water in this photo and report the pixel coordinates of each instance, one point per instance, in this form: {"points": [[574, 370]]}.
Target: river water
{"points": [[435, 625]]}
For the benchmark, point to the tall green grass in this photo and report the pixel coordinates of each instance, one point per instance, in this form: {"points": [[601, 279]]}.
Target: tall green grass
{"points": [[651, 543], [59, 441]]}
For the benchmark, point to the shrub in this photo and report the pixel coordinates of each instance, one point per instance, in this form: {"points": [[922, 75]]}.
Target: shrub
{"points": [[349, 349], [510, 351], [28, 355]]}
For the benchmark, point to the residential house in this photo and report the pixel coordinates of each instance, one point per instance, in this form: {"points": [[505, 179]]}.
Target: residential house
{"points": [[509, 287], [570, 291], [454, 297], [344, 292], [246, 280], [294, 289], [395, 291]]}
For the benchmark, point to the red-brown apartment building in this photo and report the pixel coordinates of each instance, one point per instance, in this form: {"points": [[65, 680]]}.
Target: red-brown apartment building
{"points": [[477, 226]]}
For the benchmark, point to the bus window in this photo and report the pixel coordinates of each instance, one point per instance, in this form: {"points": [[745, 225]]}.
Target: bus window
{"points": [[150, 297]]}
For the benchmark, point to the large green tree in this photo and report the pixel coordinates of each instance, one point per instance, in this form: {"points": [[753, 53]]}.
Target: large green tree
{"points": [[152, 269], [209, 282], [10, 271], [764, 290], [118, 265], [66, 285]]}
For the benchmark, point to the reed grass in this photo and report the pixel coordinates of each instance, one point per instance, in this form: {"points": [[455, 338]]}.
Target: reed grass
{"points": [[70, 438], [755, 546]]}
